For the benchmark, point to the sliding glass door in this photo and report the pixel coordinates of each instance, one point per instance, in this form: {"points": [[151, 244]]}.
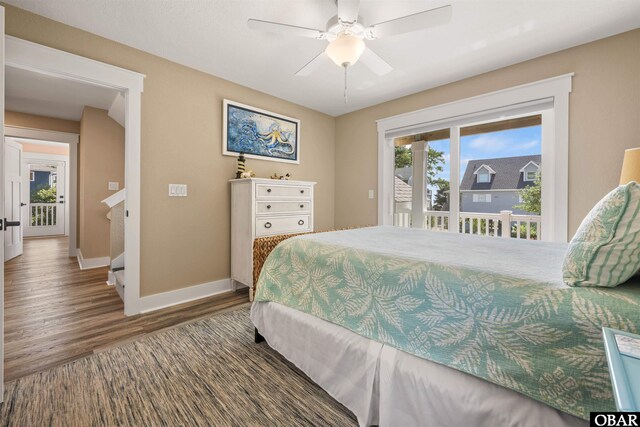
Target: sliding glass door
{"points": [[479, 178]]}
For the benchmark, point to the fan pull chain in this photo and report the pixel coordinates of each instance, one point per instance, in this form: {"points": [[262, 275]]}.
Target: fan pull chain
{"points": [[345, 84]]}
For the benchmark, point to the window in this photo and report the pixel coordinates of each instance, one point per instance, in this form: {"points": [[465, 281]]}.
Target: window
{"points": [[484, 177], [530, 176], [476, 128], [482, 198], [32, 176]]}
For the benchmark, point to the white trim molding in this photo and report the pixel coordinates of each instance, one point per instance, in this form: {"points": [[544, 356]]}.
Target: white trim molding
{"points": [[44, 136], [180, 296], [91, 263], [41, 59], [549, 97]]}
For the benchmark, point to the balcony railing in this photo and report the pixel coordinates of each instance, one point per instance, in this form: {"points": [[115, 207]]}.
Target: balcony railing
{"points": [[42, 214], [482, 224]]}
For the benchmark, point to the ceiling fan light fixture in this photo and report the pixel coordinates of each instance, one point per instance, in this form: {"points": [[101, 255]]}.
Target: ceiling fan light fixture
{"points": [[345, 50]]}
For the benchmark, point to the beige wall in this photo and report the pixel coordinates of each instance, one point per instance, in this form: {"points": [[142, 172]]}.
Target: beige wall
{"points": [[32, 121], [62, 150], [101, 160], [604, 121], [185, 241]]}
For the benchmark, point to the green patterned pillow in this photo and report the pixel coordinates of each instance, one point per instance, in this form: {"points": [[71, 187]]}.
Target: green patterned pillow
{"points": [[606, 248]]}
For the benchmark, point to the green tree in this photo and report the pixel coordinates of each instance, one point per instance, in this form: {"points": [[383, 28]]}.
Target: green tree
{"points": [[441, 200], [531, 197], [44, 194], [403, 157]]}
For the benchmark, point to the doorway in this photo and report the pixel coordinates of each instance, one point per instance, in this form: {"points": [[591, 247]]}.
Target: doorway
{"points": [[45, 211], [52, 63]]}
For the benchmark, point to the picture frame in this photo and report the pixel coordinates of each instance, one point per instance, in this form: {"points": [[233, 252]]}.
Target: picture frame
{"points": [[259, 134]]}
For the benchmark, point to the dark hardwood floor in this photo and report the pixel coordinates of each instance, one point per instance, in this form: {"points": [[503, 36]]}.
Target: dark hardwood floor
{"points": [[56, 313]]}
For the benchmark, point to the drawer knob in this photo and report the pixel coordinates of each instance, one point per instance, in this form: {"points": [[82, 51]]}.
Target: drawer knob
{"points": [[301, 206], [268, 190], [301, 191], [301, 222], [267, 225], [268, 206]]}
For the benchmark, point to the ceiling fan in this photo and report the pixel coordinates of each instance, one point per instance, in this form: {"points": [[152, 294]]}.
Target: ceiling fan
{"points": [[346, 33]]}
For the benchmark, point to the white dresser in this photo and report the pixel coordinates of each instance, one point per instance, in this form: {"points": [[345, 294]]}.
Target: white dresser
{"points": [[265, 207]]}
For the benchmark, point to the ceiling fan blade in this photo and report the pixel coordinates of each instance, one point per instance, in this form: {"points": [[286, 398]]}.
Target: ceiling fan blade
{"points": [[285, 29], [312, 65], [348, 11], [375, 63], [406, 24]]}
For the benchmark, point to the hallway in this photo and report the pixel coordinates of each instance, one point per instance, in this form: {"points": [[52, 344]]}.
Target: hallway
{"points": [[56, 313]]}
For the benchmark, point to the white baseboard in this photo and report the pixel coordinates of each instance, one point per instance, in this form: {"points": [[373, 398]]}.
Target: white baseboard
{"points": [[89, 263], [179, 296]]}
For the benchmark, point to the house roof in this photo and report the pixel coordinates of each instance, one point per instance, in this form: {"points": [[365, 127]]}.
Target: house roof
{"points": [[402, 191], [507, 173], [486, 167]]}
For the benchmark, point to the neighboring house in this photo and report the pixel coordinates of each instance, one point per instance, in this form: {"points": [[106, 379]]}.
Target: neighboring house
{"points": [[40, 179], [491, 185], [402, 194], [403, 190]]}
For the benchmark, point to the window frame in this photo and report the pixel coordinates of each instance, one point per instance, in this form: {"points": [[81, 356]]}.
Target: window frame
{"points": [[482, 198], [486, 177], [548, 97]]}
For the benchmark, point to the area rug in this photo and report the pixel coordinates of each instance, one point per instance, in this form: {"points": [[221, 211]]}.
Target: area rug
{"points": [[205, 373]]}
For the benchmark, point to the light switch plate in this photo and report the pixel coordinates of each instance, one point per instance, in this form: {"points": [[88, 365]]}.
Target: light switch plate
{"points": [[177, 190], [114, 185], [371, 194]]}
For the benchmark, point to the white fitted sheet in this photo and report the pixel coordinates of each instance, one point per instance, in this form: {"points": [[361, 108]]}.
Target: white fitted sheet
{"points": [[385, 386]]}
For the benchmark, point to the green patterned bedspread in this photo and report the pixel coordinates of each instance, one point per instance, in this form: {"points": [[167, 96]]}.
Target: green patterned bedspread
{"points": [[468, 302]]}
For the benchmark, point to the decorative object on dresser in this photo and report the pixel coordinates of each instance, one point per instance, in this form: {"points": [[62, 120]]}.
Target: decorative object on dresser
{"points": [[265, 207], [241, 165], [282, 177], [259, 134]]}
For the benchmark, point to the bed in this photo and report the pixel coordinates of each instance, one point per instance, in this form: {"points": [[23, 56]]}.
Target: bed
{"points": [[403, 325]]}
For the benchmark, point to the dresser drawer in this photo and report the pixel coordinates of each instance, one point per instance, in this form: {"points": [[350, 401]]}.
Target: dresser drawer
{"points": [[302, 206], [287, 191], [266, 226]]}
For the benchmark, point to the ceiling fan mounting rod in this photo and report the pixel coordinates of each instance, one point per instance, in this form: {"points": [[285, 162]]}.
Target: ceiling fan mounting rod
{"points": [[346, 66]]}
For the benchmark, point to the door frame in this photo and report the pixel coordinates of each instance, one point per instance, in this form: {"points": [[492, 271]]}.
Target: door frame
{"points": [[72, 172], [31, 158], [37, 58]]}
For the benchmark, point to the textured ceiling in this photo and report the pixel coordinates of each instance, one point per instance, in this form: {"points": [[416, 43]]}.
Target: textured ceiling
{"points": [[212, 36]]}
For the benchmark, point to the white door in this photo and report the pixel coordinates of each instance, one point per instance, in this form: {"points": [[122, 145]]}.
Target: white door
{"points": [[1, 207], [12, 199], [45, 215]]}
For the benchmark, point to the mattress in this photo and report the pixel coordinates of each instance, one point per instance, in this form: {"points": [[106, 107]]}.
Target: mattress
{"points": [[388, 387], [494, 308]]}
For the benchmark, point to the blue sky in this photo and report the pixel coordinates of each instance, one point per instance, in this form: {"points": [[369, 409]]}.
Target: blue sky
{"points": [[507, 143]]}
